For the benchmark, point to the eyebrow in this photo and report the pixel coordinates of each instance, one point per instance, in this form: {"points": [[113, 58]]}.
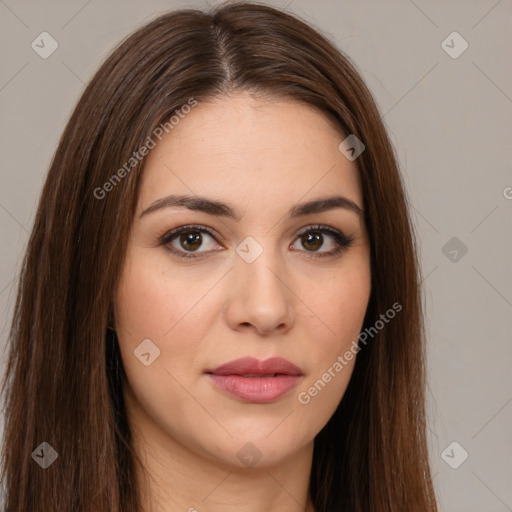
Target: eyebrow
{"points": [[218, 208]]}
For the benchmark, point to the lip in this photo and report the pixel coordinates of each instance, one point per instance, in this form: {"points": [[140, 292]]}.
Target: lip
{"points": [[255, 381]]}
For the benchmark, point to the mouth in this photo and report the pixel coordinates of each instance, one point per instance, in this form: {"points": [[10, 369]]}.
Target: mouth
{"points": [[254, 381]]}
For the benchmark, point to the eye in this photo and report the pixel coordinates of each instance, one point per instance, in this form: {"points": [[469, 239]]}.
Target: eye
{"points": [[313, 237], [186, 240]]}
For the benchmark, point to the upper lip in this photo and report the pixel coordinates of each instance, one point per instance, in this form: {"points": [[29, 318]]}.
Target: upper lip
{"points": [[253, 366]]}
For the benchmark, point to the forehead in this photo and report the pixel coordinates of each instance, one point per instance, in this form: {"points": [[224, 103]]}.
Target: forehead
{"points": [[242, 147]]}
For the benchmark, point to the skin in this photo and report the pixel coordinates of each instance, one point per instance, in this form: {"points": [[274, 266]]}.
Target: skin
{"points": [[262, 156]]}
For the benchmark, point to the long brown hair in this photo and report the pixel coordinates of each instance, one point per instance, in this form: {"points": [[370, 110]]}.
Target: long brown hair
{"points": [[63, 384]]}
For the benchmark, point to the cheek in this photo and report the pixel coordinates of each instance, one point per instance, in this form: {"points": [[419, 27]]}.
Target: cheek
{"points": [[145, 304], [152, 302], [168, 308], [348, 309], [151, 305], [341, 308], [144, 311]]}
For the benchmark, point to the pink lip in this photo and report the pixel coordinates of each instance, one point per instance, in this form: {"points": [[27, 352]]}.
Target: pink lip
{"points": [[252, 380]]}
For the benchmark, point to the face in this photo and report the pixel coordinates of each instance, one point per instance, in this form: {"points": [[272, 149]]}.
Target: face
{"points": [[257, 277]]}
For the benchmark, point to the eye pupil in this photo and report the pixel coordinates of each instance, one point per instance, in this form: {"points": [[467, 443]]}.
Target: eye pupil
{"points": [[312, 237], [191, 240]]}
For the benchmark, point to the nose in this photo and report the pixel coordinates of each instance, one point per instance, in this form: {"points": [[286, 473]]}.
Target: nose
{"points": [[260, 298]]}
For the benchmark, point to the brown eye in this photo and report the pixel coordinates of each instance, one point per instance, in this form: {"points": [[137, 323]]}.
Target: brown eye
{"points": [[191, 240], [317, 237], [312, 240]]}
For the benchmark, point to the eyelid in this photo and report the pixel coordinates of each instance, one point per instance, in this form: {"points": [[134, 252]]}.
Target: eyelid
{"points": [[170, 234]]}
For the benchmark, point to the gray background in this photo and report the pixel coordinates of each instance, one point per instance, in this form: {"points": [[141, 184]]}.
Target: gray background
{"points": [[450, 121]]}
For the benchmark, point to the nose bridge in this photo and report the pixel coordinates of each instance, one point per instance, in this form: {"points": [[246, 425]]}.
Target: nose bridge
{"points": [[261, 294], [262, 273]]}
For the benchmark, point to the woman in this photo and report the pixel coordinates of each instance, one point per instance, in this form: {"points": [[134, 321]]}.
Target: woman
{"points": [[219, 305]]}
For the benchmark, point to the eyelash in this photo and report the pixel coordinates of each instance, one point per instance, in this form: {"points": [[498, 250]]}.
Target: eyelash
{"points": [[342, 242]]}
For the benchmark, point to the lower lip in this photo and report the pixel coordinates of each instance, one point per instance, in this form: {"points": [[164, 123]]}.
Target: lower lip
{"points": [[257, 390]]}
